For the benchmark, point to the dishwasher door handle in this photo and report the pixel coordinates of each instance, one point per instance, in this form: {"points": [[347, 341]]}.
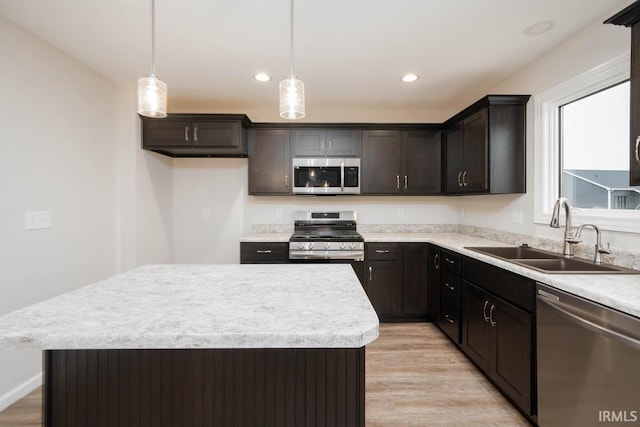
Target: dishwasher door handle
{"points": [[624, 339]]}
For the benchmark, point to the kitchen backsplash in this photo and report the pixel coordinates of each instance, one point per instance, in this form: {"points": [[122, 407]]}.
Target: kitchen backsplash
{"points": [[618, 257]]}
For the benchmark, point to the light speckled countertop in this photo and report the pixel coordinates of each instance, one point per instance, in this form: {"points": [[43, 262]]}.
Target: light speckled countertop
{"points": [[618, 291], [202, 306]]}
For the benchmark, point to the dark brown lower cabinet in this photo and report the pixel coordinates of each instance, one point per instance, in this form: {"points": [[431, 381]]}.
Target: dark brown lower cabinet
{"points": [[264, 252], [204, 387], [497, 336], [396, 280]]}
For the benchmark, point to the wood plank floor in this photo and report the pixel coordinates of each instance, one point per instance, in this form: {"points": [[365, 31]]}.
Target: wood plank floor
{"points": [[414, 377]]}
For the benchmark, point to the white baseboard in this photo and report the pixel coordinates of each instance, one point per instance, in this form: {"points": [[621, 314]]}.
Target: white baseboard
{"points": [[19, 392]]}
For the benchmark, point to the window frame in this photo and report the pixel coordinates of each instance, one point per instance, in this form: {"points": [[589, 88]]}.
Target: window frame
{"points": [[547, 146]]}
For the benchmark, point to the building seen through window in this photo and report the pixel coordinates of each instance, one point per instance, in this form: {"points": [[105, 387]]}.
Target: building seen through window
{"points": [[594, 139]]}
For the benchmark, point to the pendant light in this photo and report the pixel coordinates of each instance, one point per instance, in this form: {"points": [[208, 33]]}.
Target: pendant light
{"points": [[152, 92], [291, 89]]}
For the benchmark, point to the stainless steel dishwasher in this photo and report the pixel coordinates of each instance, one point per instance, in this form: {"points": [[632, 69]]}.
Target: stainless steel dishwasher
{"points": [[588, 362]]}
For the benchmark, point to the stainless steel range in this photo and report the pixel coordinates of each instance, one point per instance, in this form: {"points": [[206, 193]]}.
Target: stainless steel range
{"points": [[326, 236]]}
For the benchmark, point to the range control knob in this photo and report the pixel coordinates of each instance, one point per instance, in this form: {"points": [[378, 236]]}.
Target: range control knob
{"points": [[343, 245], [327, 245]]}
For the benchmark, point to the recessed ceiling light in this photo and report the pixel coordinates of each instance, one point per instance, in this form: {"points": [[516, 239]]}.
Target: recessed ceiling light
{"points": [[262, 77], [539, 28], [408, 78]]}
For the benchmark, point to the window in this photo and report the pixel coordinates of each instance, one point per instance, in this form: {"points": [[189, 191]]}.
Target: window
{"points": [[594, 144], [562, 117]]}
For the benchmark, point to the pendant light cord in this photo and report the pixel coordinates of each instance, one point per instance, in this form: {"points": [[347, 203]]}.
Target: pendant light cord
{"points": [[153, 37], [291, 37]]}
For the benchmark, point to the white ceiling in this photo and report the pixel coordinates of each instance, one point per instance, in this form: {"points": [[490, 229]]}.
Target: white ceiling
{"points": [[349, 53]]}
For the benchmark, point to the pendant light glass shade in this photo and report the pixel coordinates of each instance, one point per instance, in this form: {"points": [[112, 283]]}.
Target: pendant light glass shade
{"points": [[152, 97], [152, 92], [292, 98], [291, 89]]}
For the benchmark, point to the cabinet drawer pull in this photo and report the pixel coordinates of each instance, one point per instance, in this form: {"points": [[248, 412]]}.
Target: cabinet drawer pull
{"points": [[448, 319], [484, 311], [286, 181], [493, 322], [449, 286], [449, 260], [322, 145], [436, 261], [464, 178], [398, 181], [195, 133], [186, 133], [370, 274], [406, 182], [382, 251], [263, 251], [638, 149], [460, 179]]}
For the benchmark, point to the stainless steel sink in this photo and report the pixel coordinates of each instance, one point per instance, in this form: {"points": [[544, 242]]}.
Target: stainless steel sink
{"points": [[515, 252], [549, 262]]}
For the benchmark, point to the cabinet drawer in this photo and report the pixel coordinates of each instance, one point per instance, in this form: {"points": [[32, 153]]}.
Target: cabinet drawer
{"points": [[383, 251], [450, 321], [264, 253], [450, 289], [451, 262]]}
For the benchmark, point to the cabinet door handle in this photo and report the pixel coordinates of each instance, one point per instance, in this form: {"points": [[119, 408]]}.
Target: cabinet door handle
{"points": [[406, 182], [263, 251], [322, 145], [398, 181], [464, 178], [330, 144], [453, 288], [484, 311], [436, 261], [370, 274], [195, 133], [493, 323], [460, 179], [449, 260], [286, 181], [638, 149], [448, 319], [382, 251], [186, 133]]}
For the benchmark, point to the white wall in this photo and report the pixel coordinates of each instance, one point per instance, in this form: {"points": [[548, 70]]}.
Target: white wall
{"points": [[219, 187], [591, 47], [58, 155], [71, 145]]}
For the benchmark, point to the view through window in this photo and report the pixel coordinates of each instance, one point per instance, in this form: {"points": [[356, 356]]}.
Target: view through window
{"points": [[594, 144]]}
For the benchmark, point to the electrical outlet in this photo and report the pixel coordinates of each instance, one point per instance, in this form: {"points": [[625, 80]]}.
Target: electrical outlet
{"points": [[279, 213], [400, 212], [206, 212], [516, 217], [37, 220]]}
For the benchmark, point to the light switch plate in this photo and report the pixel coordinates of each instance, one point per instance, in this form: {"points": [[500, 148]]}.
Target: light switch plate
{"points": [[37, 220]]}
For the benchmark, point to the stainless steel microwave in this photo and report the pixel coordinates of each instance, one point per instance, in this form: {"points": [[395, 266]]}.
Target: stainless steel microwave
{"points": [[326, 176]]}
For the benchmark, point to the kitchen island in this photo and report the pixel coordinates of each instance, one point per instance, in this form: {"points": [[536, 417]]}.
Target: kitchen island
{"points": [[203, 345]]}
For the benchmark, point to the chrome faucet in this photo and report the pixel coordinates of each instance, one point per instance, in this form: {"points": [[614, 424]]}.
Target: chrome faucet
{"points": [[569, 238], [597, 257]]}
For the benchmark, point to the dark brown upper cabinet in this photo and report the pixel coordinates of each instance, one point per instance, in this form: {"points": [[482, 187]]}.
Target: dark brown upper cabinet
{"points": [[269, 162], [486, 147], [630, 17], [326, 142], [401, 162], [197, 135]]}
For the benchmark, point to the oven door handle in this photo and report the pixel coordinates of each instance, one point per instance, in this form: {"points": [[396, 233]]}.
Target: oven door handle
{"points": [[342, 177], [346, 255]]}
